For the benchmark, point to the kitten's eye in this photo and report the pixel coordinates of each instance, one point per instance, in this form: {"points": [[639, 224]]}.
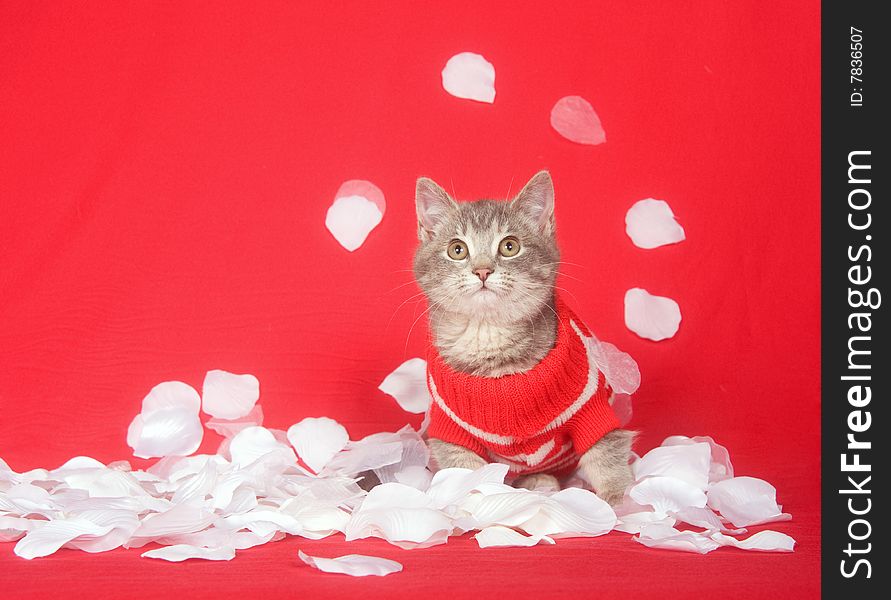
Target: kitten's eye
{"points": [[457, 250], [509, 246]]}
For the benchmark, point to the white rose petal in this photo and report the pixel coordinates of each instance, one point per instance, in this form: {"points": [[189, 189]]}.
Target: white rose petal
{"points": [[351, 218], [689, 463], [471, 76], [763, 541], [317, 440], [659, 535], [168, 424], [408, 385], [651, 317], [229, 396], [181, 552], [497, 536], [52, 535], [357, 565], [230, 427], [574, 118], [746, 501], [252, 443], [650, 224], [720, 468], [667, 494]]}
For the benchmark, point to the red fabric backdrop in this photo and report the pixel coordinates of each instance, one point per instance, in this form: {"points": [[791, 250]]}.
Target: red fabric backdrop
{"points": [[164, 175]]}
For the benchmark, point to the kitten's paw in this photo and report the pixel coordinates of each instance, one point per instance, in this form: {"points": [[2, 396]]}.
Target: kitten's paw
{"points": [[444, 455], [538, 481], [612, 489], [605, 465]]}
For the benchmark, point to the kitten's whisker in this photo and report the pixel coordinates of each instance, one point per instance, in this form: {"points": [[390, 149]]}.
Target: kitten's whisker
{"points": [[574, 297], [410, 329], [433, 304], [401, 286], [563, 262], [561, 273], [398, 308], [556, 287], [535, 299]]}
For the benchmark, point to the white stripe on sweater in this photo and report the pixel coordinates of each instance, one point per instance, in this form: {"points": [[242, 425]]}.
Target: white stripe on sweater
{"points": [[492, 438], [536, 457], [587, 393], [520, 463], [550, 465]]}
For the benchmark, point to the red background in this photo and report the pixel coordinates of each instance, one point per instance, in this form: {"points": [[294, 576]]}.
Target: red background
{"points": [[164, 176]]}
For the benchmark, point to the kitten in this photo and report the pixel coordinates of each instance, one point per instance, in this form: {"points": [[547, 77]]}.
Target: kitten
{"points": [[488, 270]]}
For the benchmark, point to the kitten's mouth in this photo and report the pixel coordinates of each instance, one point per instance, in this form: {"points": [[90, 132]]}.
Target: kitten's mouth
{"points": [[483, 290]]}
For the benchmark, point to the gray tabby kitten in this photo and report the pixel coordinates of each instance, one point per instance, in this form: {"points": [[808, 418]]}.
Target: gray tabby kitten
{"points": [[488, 270]]}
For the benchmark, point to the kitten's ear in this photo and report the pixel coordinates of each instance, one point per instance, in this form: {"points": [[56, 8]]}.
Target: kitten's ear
{"points": [[432, 204], [536, 201]]}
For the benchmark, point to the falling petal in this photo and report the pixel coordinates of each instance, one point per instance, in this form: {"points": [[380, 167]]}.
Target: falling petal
{"points": [[650, 224], [621, 405], [366, 189], [357, 565], [351, 218], [317, 440], [229, 396], [651, 317], [470, 76], [408, 385], [181, 552], [746, 501], [574, 118], [619, 369]]}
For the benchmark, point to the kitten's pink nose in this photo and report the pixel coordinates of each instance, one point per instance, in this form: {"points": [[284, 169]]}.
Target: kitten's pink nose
{"points": [[483, 274]]}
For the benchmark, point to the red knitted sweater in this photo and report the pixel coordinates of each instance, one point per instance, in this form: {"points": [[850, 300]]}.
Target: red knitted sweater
{"points": [[542, 420]]}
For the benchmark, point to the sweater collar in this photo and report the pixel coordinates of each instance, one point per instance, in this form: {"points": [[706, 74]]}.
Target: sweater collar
{"points": [[522, 404]]}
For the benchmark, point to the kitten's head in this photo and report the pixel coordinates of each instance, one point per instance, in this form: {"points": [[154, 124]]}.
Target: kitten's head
{"points": [[491, 259]]}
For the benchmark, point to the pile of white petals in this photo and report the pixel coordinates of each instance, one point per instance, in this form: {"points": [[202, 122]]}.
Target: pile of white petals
{"points": [[265, 484]]}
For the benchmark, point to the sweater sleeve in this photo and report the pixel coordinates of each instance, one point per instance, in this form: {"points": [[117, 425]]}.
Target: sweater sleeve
{"points": [[594, 420], [443, 428]]}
